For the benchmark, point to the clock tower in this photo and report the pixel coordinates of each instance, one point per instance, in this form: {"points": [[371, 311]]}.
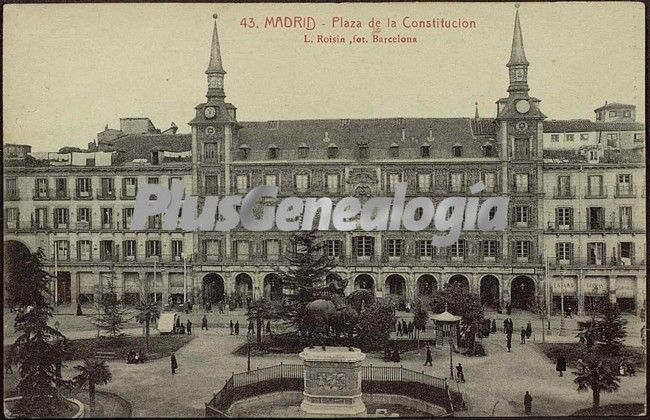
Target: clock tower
{"points": [[520, 135]]}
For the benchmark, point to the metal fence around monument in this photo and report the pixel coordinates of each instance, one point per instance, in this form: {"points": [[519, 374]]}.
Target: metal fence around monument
{"points": [[394, 380]]}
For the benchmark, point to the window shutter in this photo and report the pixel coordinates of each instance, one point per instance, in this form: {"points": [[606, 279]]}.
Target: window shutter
{"points": [[354, 246], [557, 251], [571, 251]]}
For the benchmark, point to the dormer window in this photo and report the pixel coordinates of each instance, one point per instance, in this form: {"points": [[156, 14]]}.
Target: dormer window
{"points": [[272, 125], [363, 149], [612, 114], [393, 150], [425, 151], [488, 150], [303, 150], [244, 151], [274, 152], [457, 150], [332, 151]]}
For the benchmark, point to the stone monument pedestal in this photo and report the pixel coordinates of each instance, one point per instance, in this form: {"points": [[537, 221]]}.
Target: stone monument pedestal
{"points": [[332, 381]]}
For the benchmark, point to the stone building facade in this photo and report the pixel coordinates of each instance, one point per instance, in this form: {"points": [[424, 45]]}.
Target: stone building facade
{"points": [[79, 207]]}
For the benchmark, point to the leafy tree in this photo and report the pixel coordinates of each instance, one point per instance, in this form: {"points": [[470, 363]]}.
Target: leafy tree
{"points": [[304, 276], [610, 331], [39, 348], [375, 325], [92, 372], [597, 374], [420, 317], [111, 316]]}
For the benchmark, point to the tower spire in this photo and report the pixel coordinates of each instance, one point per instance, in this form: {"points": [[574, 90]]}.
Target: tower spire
{"points": [[517, 54], [476, 117], [215, 69]]}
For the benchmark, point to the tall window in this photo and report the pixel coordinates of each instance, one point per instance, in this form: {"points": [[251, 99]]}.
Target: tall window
{"points": [[153, 180], [564, 251], [595, 185], [212, 184], [127, 216], [522, 215], [210, 151], [612, 139], [301, 182], [489, 248], [154, 222], [41, 188], [61, 187], [129, 248], [106, 249], [564, 217], [242, 250], [364, 246], [11, 217], [393, 179], [177, 249], [522, 148], [522, 249], [489, 180], [271, 180], [596, 253], [564, 186], [84, 248], [108, 187], [457, 249], [11, 187], [242, 183], [129, 186], [626, 252], [40, 218], [521, 183], [595, 218], [624, 184], [61, 218], [272, 249], [625, 218], [457, 181], [62, 250], [334, 248], [152, 248], [333, 183], [107, 218], [83, 187], [394, 247], [425, 248], [424, 182], [211, 249]]}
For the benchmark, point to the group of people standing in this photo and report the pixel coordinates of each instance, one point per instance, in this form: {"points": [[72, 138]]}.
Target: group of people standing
{"points": [[402, 328]]}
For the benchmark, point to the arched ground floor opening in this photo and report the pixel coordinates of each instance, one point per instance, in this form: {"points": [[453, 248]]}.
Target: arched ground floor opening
{"points": [[490, 290], [364, 281], [243, 289], [273, 288], [212, 288], [522, 293], [460, 280], [395, 285], [426, 285]]}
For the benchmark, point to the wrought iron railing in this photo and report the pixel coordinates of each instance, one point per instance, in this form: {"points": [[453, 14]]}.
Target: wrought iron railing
{"points": [[374, 379]]}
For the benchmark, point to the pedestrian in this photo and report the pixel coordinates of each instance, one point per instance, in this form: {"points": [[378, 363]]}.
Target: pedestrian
{"points": [[396, 357], [505, 325], [79, 313], [529, 330], [523, 335], [204, 322], [177, 324], [511, 327], [57, 325], [494, 325], [509, 341], [251, 327], [643, 335], [174, 364], [189, 327], [560, 366], [410, 329], [429, 360], [460, 376], [568, 312], [399, 328], [508, 308], [268, 327], [528, 403], [631, 370], [237, 328], [232, 326]]}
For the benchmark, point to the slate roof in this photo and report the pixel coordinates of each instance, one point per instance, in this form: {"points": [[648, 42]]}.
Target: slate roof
{"points": [[610, 156], [560, 126], [614, 105], [377, 133]]}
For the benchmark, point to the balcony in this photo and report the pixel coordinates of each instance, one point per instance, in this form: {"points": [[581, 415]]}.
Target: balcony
{"points": [[600, 226], [108, 225], [625, 191], [61, 226], [12, 194], [42, 194], [559, 193], [597, 193], [82, 225], [607, 262], [106, 195], [84, 194]]}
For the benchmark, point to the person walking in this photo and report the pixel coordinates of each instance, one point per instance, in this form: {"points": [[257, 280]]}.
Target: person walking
{"points": [[528, 403], [511, 327], [508, 308], [232, 327], [494, 325], [523, 335], [237, 328], [460, 376], [410, 329], [189, 327], [429, 360], [399, 328], [509, 341], [505, 325], [396, 357], [529, 330], [560, 366], [251, 328], [204, 323], [174, 364], [79, 313], [405, 329], [268, 327]]}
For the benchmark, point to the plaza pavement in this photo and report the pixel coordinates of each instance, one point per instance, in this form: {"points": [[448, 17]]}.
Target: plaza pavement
{"points": [[497, 381]]}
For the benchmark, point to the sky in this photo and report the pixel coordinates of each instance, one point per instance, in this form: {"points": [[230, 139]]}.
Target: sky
{"points": [[70, 69]]}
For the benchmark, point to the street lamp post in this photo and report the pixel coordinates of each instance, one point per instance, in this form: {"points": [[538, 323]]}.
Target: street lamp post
{"points": [[248, 338], [184, 279]]}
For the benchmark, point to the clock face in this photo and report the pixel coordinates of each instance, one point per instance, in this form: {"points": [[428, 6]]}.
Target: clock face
{"points": [[210, 112], [522, 106]]}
